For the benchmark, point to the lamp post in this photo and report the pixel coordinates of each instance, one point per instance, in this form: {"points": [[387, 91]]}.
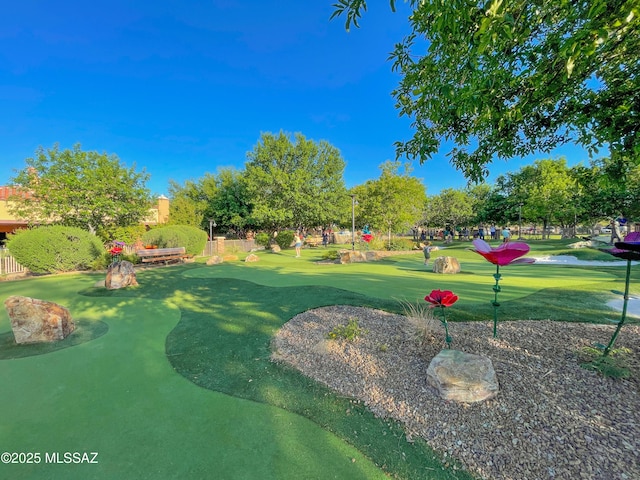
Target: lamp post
{"points": [[353, 222], [520, 237], [212, 223]]}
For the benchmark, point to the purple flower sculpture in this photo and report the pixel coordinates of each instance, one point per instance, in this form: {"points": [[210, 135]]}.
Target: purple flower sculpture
{"points": [[628, 250]]}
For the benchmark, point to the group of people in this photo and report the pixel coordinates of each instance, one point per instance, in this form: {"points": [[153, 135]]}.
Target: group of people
{"points": [[448, 234]]}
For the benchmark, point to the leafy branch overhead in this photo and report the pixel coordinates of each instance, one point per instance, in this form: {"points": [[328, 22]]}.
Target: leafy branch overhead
{"points": [[505, 79]]}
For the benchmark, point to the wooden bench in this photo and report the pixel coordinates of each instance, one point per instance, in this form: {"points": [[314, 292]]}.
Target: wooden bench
{"points": [[313, 241], [166, 255]]}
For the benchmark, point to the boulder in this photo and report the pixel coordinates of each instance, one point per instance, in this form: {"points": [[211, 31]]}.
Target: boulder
{"points": [[252, 258], [463, 377], [351, 256], [372, 256], [37, 321], [446, 265], [120, 275], [215, 260], [276, 249]]}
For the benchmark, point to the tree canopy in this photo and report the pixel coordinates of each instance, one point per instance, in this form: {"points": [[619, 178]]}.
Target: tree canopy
{"points": [[394, 202], [294, 182], [90, 190], [503, 79]]}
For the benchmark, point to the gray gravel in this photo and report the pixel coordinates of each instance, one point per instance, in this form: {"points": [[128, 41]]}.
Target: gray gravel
{"points": [[551, 419]]}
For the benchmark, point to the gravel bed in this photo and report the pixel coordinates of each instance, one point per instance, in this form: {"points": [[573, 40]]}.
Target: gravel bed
{"points": [[552, 419]]}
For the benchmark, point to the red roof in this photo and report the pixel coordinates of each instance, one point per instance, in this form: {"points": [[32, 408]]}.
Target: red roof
{"points": [[6, 192]]}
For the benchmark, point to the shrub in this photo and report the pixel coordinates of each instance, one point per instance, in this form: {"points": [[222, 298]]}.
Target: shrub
{"points": [[129, 235], [614, 365], [421, 317], [55, 248], [104, 260], [263, 239], [284, 239], [399, 244], [330, 255], [349, 332], [191, 238]]}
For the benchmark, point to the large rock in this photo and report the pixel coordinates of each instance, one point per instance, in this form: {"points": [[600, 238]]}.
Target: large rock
{"points": [[252, 258], [120, 275], [276, 248], [352, 256], [446, 265], [215, 260], [463, 377], [373, 256], [36, 321]]}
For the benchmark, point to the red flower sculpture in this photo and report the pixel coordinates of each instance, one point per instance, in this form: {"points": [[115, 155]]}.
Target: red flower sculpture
{"points": [[441, 298], [506, 254], [115, 251], [367, 237]]}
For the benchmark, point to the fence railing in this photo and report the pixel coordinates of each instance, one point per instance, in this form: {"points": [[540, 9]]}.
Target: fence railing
{"points": [[8, 264]]}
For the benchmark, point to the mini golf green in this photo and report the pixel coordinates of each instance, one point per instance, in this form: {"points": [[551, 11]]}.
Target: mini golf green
{"points": [[177, 380]]}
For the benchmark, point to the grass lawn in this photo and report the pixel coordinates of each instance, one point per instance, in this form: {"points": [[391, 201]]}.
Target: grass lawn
{"points": [[172, 379]]}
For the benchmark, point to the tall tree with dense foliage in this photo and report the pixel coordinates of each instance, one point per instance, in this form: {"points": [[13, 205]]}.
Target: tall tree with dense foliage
{"points": [[90, 190], [548, 192], [190, 201], [610, 188], [394, 202], [452, 208], [294, 182], [231, 205], [503, 79]]}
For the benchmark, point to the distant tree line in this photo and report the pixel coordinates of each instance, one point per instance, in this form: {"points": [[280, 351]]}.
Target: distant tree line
{"points": [[290, 182]]}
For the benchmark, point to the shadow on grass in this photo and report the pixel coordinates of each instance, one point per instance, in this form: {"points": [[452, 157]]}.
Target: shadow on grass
{"points": [[84, 332], [223, 343]]}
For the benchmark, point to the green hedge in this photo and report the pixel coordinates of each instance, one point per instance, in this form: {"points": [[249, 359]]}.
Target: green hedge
{"points": [[191, 238], [284, 239], [55, 248], [263, 239]]}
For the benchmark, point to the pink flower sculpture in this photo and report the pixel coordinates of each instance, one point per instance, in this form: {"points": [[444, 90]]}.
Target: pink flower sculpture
{"points": [[505, 254]]}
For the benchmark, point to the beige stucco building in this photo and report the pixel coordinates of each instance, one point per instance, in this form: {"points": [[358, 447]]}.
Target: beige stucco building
{"points": [[158, 214]]}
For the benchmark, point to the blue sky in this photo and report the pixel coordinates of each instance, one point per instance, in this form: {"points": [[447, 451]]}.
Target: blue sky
{"points": [[182, 87]]}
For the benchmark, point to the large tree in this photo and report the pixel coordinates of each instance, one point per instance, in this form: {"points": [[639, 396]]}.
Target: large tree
{"points": [[231, 205], [452, 208], [191, 201], [392, 203], [508, 78], [548, 192], [294, 182], [90, 190]]}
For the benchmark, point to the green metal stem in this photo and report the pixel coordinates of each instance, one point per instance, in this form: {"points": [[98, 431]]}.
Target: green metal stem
{"points": [[496, 289], [447, 338], [624, 311]]}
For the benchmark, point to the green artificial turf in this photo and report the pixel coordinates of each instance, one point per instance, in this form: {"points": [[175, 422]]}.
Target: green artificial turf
{"points": [[180, 383]]}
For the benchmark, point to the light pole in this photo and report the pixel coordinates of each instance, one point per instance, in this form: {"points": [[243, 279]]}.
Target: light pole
{"points": [[520, 237], [212, 223], [353, 222]]}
